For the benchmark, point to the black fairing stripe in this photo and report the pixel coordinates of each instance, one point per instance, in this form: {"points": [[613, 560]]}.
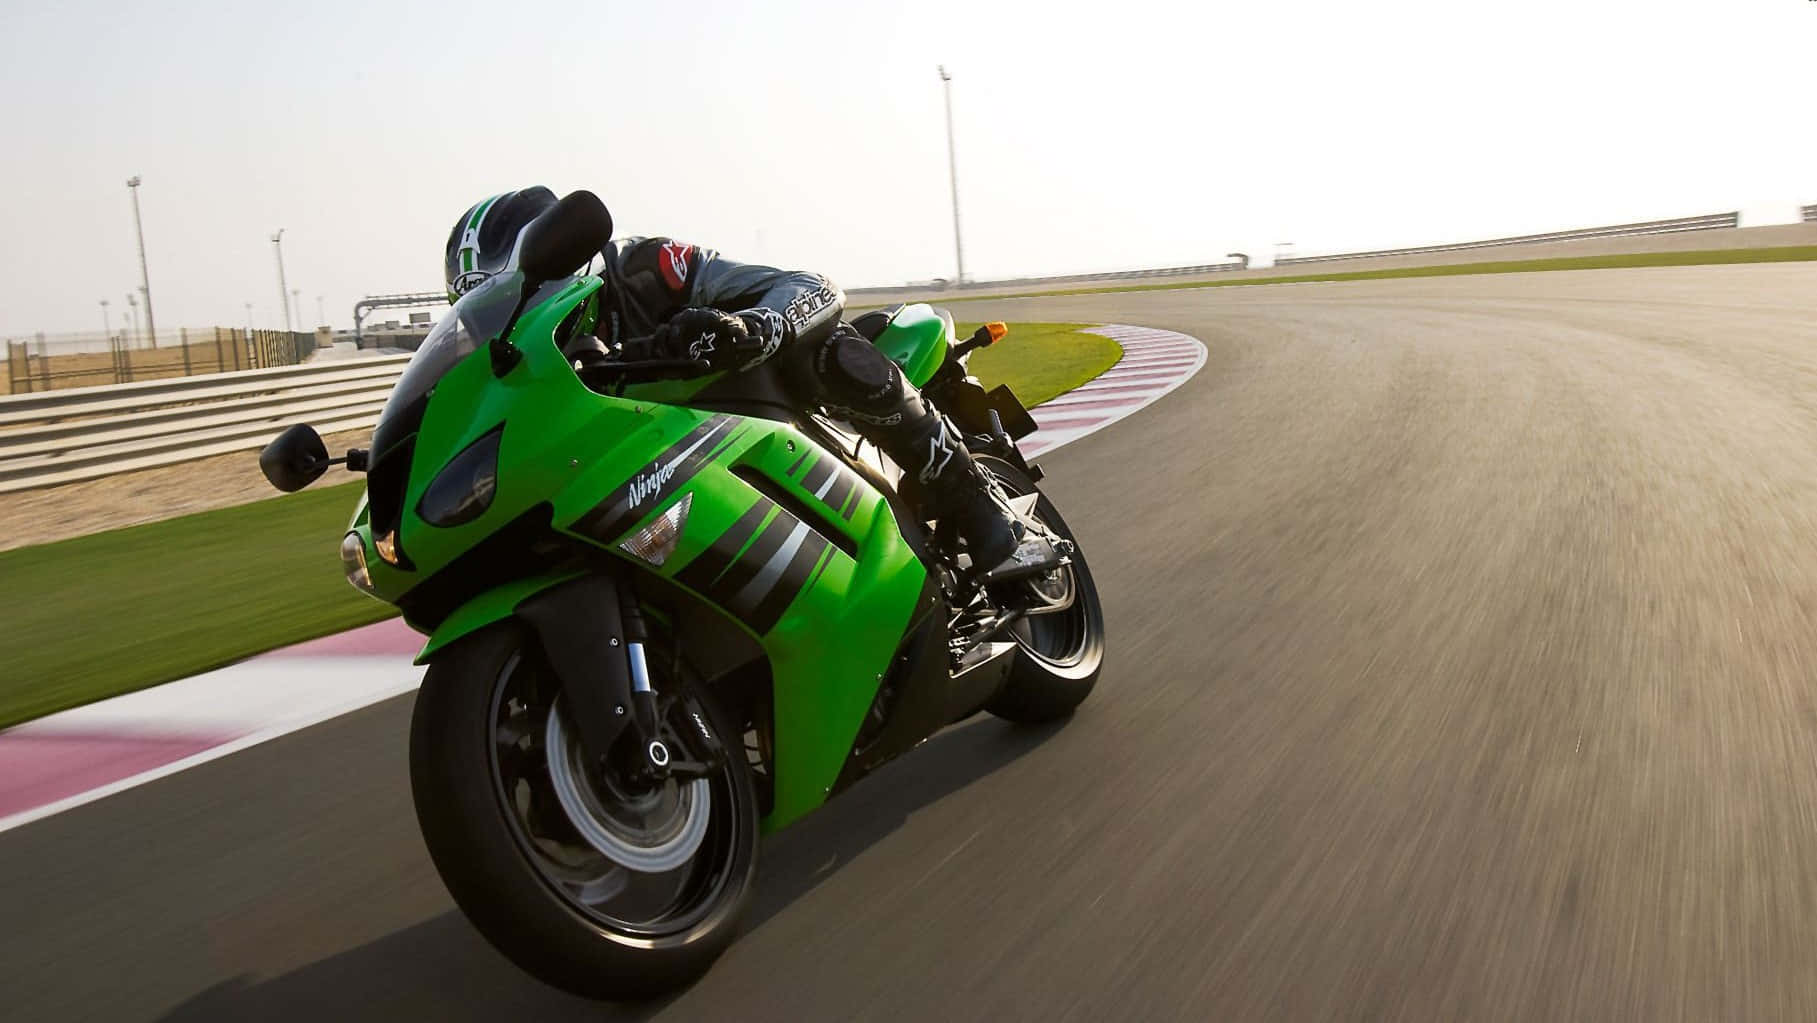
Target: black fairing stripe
{"points": [[710, 564], [655, 483], [844, 483], [794, 579], [755, 557], [721, 573], [817, 474], [805, 455]]}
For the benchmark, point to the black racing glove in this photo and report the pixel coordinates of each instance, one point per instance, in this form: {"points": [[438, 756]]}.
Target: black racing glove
{"points": [[725, 340]]}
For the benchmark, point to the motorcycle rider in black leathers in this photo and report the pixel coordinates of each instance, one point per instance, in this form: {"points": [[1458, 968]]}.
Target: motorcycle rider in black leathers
{"points": [[694, 303]]}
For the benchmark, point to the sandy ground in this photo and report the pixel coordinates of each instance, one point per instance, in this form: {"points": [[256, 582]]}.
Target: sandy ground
{"points": [[55, 513], [1463, 636]]}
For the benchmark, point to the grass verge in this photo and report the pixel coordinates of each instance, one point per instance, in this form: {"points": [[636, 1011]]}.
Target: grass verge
{"points": [[116, 611], [1042, 360], [112, 612], [1707, 257]]}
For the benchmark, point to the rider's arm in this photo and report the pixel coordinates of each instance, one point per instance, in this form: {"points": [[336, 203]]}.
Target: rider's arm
{"points": [[808, 303], [658, 278]]}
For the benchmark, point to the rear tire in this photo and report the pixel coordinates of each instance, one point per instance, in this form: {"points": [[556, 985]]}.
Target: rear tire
{"points": [[495, 852], [1062, 653]]}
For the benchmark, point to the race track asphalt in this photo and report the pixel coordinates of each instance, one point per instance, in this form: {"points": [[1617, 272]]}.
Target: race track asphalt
{"points": [[1463, 638]]}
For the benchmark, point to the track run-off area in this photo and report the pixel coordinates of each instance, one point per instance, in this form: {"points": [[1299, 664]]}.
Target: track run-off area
{"points": [[1462, 640]]}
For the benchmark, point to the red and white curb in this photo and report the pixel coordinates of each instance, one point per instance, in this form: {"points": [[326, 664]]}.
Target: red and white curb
{"points": [[62, 761], [1154, 362]]}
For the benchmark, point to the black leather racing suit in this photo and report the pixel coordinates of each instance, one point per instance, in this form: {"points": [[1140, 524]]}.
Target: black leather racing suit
{"points": [[649, 280]]}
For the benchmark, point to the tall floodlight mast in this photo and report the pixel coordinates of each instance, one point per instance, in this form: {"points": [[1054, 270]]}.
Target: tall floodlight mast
{"points": [[952, 167]]}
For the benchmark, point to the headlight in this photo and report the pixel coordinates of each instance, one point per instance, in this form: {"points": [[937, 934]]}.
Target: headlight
{"points": [[463, 490], [353, 560]]}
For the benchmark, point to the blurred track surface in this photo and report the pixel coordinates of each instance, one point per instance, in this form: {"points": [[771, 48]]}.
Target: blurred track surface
{"points": [[1463, 638]]}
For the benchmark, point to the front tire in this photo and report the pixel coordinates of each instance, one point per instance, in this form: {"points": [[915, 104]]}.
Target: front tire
{"points": [[1062, 652], [552, 895]]}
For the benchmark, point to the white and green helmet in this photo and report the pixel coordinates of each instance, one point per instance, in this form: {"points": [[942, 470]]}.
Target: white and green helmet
{"points": [[484, 241]]}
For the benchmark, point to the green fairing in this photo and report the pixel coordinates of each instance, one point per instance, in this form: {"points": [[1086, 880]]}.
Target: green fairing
{"points": [[830, 624], [494, 605], [916, 340]]}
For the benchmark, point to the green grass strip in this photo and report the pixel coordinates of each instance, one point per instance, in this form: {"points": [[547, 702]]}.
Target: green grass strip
{"points": [[101, 615], [105, 614], [1040, 361], [1707, 257]]}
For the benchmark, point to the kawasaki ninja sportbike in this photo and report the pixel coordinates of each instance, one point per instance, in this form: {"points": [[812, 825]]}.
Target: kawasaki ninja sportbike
{"points": [[667, 611]]}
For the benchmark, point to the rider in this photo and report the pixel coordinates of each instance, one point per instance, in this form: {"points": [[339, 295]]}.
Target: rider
{"points": [[698, 304]]}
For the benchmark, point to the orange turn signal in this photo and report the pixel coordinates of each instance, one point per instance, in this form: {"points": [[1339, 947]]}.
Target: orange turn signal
{"points": [[997, 330]]}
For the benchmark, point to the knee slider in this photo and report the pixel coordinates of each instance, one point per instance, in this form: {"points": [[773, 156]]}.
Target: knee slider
{"points": [[855, 375]]}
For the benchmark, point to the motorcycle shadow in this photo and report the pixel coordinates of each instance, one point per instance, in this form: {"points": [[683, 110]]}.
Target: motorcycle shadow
{"points": [[807, 854], [442, 970]]}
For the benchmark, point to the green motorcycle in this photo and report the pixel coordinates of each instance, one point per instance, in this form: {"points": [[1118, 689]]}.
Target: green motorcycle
{"points": [[667, 611]]}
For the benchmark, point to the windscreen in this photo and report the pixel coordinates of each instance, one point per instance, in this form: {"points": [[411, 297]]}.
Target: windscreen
{"points": [[473, 322]]}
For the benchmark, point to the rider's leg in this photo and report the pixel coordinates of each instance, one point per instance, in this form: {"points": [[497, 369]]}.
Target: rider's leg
{"points": [[861, 385]]}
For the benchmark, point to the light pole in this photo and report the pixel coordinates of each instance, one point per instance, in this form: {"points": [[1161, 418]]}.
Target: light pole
{"points": [[277, 243], [107, 325], [151, 326], [132, 308], [952, 166]]}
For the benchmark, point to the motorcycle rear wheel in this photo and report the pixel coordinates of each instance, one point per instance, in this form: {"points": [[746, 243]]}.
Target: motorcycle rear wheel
{"points": [[1062, 653], [635, 902]]}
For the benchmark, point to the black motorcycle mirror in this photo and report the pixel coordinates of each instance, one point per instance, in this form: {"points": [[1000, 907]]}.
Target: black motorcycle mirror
{"points": [[297, 457], [562, 239]]}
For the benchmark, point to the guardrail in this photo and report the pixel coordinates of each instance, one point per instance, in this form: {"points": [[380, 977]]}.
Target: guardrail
{"points": [[1119, 275], [55, 437], [1808, 212], [1704, 223]]}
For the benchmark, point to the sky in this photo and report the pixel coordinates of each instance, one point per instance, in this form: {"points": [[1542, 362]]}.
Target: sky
{"points": [[1090, 136]]}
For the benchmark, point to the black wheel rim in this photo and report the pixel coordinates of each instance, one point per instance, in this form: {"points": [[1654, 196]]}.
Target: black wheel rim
{"points": [[660, 908]]}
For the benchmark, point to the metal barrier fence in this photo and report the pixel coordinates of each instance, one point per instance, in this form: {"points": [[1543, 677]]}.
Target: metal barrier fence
{"points": [[46, 362], [54, 437], [1117, 275], [1809, 213], [1704, 223]]}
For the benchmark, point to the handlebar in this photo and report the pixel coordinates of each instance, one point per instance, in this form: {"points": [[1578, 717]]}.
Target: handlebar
{"points": [[616, 371]]}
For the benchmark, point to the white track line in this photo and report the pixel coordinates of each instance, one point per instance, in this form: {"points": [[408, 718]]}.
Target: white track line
{"points": [[273, 695]]}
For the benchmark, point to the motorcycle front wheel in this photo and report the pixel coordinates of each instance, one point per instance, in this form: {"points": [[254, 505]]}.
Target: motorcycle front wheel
{"points": [[601, 888]]}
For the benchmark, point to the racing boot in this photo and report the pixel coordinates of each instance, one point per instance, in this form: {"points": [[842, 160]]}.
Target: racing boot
{"points": [[955, 490], [862, 386]]}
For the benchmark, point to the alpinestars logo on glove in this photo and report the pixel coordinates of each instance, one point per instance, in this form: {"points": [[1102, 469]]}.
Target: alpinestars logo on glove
{"points": [[673, 258]]}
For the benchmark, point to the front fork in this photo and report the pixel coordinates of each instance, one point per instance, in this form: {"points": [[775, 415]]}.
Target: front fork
{"points": [[593, 635]]}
